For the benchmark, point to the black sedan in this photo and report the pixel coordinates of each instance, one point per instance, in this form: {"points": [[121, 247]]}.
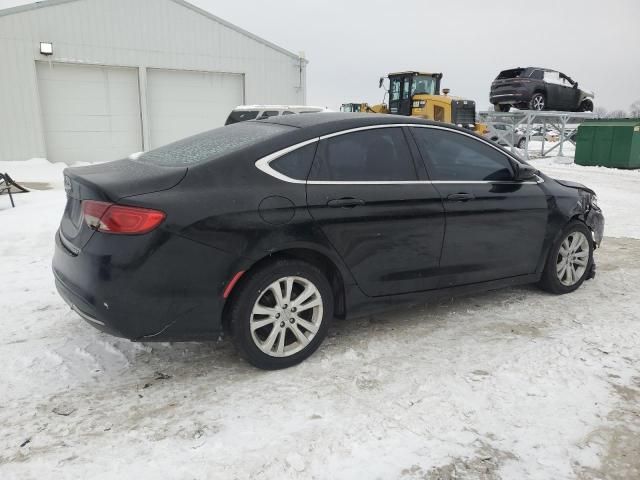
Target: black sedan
{"points": [[270, 229]]}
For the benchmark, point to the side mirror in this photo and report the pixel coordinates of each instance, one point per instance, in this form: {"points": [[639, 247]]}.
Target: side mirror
{"points": [[575, 85], [525, 171], [381, 82]]}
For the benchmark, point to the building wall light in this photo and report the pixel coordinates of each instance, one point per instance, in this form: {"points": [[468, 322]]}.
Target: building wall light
{"points": [[46, 48]]}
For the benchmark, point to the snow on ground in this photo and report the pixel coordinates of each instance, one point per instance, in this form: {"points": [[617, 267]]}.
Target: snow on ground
{"points": [[510, 384]]}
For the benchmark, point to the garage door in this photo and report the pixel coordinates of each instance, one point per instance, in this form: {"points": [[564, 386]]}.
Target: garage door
{"points": [[90, 113], [183, 103]]}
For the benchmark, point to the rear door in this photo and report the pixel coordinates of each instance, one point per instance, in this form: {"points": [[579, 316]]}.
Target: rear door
{"points": [[377, 209], [495, 225]]}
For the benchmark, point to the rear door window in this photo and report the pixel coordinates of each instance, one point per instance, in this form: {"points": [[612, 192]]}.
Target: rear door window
{"points": [[380, 154], [452, 156]]}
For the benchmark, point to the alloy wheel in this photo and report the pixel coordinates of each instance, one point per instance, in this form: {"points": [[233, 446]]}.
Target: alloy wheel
{"points": [[538, 102], [573, 258], [286, 316]]}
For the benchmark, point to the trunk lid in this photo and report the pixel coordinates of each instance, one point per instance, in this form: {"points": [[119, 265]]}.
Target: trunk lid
{"points": [[108, 182]]}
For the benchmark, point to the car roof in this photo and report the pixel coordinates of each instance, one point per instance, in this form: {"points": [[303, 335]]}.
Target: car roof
{"points": [[276, 107], [530, 68], [329, 122]]}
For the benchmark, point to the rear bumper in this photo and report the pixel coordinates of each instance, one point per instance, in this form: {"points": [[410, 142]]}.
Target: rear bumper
{"points": [[158, 286], [511, 96]]}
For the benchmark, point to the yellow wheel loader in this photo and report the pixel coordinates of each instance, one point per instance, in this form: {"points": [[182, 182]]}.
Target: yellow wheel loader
{"points": [[361, 107], [417, 94]]}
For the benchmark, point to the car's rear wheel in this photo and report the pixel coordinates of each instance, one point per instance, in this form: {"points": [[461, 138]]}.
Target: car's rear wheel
{"points": [[537, 102], [569, 261], [281, 313]]}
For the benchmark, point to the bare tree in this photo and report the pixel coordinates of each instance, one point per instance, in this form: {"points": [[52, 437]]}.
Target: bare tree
{"points": [[617, 114], [634, 109], [600, 112]]}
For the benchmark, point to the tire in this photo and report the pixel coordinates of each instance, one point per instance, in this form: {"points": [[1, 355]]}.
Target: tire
{"points": [[555, 277], [502, 107], [521, 143], [255, 302], [538, 102], [586, 106]]}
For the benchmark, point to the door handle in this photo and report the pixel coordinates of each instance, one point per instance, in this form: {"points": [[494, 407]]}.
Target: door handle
{"points": [[347, 202], [460, 197]]}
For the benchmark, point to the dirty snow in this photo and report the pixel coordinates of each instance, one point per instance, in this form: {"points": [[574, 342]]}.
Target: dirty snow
{"points": [[510, 384]]}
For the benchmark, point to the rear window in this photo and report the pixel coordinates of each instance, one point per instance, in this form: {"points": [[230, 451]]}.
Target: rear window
{"points": [[513, 73], [269, 114], [212, 144], [242, 116]]}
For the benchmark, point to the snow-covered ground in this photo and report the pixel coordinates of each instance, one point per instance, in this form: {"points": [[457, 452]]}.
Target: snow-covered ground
{"points": [[512, 384]]}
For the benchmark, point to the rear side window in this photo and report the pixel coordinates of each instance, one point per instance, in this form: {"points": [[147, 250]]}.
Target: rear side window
{"points": [[513, 73], [213, 144], [453, 156], [241, 116], [380, 154], [296, 164]]}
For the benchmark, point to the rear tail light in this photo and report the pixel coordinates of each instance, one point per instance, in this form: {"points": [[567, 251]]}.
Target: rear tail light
{"points": [[111, 218]]}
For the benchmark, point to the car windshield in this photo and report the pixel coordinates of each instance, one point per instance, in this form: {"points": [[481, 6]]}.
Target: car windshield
{"points": [[241, 116], [513, 73], [423, 84], [212, 144]]}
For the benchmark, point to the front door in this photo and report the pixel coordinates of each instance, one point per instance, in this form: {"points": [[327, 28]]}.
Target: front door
{"points": [[555, 91], [495, 226], [400, 95], [571, 93], [367, 194]]}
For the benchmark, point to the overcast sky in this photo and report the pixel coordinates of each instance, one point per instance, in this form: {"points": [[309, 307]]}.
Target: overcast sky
{"points": [[351, 43]]}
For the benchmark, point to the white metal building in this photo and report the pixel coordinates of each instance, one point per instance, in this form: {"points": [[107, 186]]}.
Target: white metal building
{"points": [[128, 75]]}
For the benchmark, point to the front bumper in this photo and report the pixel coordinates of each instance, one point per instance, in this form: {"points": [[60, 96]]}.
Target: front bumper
{"points": [[158, 286], [595, 221]]}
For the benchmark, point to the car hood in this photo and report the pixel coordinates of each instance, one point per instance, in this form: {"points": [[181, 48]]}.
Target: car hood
{"points": [[587, 93], [579, 186]]}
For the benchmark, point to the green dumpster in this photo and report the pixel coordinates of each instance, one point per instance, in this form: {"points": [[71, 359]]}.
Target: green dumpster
{"points": [[609, 143]]}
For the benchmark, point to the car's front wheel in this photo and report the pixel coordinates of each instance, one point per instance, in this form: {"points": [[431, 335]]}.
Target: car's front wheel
{"points": [[281, 313], [586, 106], [569, 261], [537, 102]]}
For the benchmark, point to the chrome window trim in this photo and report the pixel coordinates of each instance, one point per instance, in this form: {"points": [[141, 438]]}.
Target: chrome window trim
{"points": [[263, 164]]}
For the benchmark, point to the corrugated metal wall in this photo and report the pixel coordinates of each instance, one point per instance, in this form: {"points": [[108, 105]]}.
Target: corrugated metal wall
{"points": [[135, 33]]}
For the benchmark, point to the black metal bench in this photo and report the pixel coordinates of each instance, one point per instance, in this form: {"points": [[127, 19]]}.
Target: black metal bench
{"points": [[7, 184]]}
